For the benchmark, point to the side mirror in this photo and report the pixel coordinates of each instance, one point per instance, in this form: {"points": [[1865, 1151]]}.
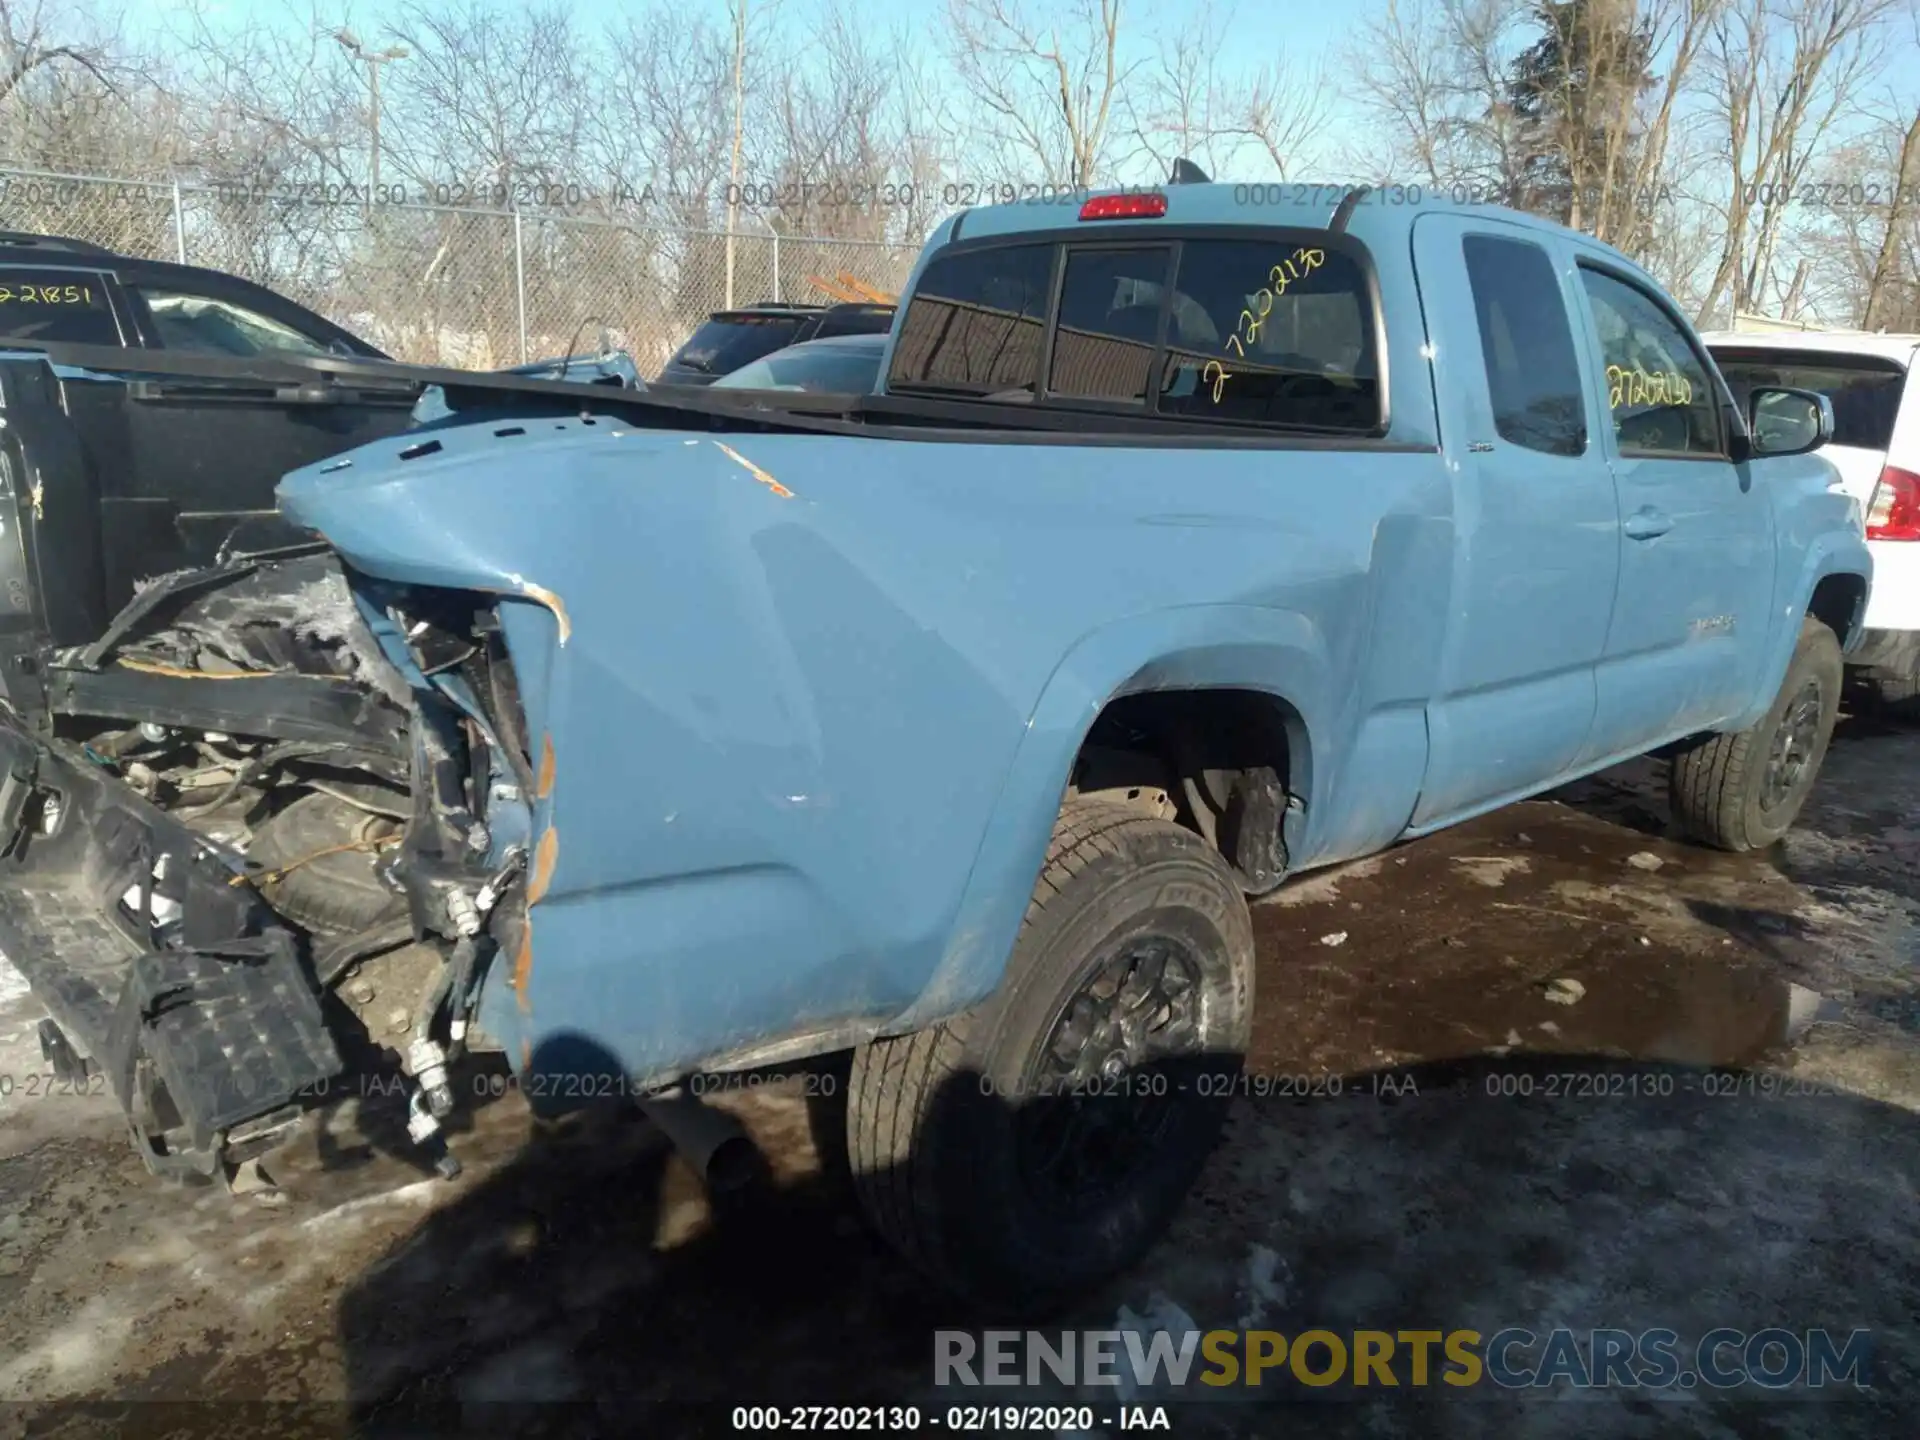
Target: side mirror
{"points": [[1784, 421]]}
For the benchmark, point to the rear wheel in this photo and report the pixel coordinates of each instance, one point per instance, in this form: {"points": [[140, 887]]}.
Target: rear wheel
{"points": [[1743, 791], [1034, 1146]]}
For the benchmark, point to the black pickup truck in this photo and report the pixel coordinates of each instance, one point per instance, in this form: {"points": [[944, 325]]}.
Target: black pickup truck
{"points": [[180, 396], [147, 412]]}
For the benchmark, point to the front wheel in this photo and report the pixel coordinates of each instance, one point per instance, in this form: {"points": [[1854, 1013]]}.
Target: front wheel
{"points": [[1743, 791], [1036, 1145]]}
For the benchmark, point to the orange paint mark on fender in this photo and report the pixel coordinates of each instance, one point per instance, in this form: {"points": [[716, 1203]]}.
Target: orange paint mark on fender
{"points": [[543, 596], [543, 783], [754, 470], [523, 969], [544, 857]]}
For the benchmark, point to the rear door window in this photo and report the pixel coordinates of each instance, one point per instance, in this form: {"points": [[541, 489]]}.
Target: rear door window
{"points": [[725, 343], [1533, 374], [976, 323], [1865, 389], [55, 306], [1276, 331]]}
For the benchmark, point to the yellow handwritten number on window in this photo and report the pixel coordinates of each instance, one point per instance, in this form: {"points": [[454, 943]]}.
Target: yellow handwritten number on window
{"points": [[1634, 386], [1301, 263]]}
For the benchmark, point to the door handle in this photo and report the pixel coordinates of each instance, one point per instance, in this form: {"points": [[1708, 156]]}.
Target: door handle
{"points": [[1645, 524]]}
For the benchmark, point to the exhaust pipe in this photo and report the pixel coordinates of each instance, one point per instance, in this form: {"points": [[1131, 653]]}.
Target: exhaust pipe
{"points": [[710, 1140]]}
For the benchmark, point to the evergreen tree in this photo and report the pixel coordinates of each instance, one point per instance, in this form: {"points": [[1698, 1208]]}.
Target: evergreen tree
{"points": [[1575, 93]]}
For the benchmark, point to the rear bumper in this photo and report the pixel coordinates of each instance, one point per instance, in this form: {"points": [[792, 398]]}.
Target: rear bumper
{"points": [[1894, 603], [1892, 650], [181, 987]]}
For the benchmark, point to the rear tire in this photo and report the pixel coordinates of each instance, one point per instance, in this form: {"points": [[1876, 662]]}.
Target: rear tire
{"points": [[1027, 1150], [1743, 791]]}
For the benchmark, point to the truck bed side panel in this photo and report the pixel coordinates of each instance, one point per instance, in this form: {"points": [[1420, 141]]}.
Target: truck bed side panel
{"points": [[791, 683]]}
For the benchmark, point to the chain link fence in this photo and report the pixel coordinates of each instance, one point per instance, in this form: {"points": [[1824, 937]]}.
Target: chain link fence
{"points": [[442, 285]]}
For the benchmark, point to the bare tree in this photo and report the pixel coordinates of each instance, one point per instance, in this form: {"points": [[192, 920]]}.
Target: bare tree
{"points": [[1182, 104], [1783, 71], [1893, 288], [838, 136], [271, 104], [662, 122], [494, 99], [1432, 80], [1888, 278], [1048, 90], [1679, 31], [28, 44], [74, 94]]}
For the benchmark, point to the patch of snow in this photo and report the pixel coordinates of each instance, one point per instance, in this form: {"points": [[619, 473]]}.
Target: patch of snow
{"points": [[1565, 990], [421, 1192], [1265, 1286], [1493, 871], [13, 985], [1323, 885], [1137, 1348], [84, 1347]]}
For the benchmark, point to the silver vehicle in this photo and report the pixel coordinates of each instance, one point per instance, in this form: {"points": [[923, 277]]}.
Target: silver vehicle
{"points": [[843, 365]]}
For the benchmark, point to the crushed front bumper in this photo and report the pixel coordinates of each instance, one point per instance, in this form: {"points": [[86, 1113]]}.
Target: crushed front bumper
{"points": [[176, 983]]}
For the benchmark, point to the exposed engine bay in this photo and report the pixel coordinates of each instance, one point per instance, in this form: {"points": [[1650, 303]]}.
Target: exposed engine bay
{"points": [[268, 828]]}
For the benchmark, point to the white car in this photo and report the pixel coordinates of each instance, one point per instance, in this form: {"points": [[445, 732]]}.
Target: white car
{"points": [[1874, 384]]}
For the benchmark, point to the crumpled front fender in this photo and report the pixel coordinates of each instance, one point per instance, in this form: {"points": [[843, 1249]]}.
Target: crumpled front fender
{"points": [[728, 716]]}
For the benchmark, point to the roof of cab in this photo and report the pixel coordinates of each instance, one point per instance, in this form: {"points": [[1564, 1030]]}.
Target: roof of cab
{"points": [[1380, 217]]}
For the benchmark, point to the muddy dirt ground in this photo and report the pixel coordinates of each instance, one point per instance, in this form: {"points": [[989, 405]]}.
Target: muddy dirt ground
{"points": [[579, 1271]]}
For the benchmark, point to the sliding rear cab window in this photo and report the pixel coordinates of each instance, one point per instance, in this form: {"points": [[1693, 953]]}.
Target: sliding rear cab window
{"points": [[1275, 332], [975, 323], [1269, 330]]}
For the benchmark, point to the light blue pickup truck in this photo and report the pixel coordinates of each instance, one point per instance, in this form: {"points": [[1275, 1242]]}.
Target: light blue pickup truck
{"points": [[1194, 539]]}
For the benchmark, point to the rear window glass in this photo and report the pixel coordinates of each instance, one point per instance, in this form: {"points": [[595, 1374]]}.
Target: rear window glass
{"points": [[1865, 390], [723, 345], [834, 369], [976, 322], [1271, 331], [1109, 323], [855, 322], [1258, 330], [66, 307]]}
